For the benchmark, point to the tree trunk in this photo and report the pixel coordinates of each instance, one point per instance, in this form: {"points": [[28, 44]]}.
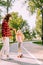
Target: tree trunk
{"points": [[7, 6], [42, 25], [7, 10]]}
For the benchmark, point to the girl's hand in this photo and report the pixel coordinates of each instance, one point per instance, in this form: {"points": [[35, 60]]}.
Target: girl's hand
{"points": [[14, 30]]}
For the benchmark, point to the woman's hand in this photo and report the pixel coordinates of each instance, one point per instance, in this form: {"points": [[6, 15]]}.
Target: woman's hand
{"points": [[4, 38]]}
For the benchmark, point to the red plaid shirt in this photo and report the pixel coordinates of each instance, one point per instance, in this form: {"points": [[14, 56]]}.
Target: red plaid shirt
{"points": [[5, 29]]}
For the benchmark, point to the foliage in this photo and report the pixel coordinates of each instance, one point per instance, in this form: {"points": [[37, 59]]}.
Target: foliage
{"points": [[34, 4], [37, 6], [6, 4], [3, 3], [39, 23], [16, 22], [33, 34]]}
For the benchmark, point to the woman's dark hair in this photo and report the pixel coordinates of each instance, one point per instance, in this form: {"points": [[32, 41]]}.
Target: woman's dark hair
{"points": [[7, 17]]}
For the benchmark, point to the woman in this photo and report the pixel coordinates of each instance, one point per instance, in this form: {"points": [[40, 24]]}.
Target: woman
{"points": [[5, 37]]}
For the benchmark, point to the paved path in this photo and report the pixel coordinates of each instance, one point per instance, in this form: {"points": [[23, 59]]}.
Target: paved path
{"points": [[32, 55], [36, 50], [7, 63]]}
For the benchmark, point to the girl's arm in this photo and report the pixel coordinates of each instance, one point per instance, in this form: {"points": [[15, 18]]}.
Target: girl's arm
{"points": [[14, 30]]}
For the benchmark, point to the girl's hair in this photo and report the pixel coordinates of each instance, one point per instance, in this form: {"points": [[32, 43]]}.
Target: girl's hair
{"points": [[7, 17]]}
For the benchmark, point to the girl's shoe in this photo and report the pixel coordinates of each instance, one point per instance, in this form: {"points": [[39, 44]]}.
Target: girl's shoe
{"points": [[20, 56]]}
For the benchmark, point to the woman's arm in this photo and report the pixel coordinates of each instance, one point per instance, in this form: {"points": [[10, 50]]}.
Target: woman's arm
{"points": [[13, 30]]}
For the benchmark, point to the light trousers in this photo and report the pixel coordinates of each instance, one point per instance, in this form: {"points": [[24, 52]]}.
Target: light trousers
{"points": [[5, 48]]}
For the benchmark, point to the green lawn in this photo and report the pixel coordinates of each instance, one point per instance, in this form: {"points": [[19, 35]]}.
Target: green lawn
{"points": [[38, 42]]}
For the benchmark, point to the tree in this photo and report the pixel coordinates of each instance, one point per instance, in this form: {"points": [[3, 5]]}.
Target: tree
{"points": [[2, 3], [7, 4], [0, 15], [27, 33], [33, 34], [17, 21], [33, 6], [39, 24]]}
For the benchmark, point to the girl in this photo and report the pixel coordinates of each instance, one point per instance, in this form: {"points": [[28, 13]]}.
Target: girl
{"points": [[19, 39]]}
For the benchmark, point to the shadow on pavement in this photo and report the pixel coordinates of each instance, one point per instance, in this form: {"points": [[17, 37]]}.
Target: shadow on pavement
{"points": [[19, 62]]}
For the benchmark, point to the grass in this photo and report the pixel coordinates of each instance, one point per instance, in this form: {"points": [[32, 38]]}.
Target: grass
{"points": [[38, 42]]}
